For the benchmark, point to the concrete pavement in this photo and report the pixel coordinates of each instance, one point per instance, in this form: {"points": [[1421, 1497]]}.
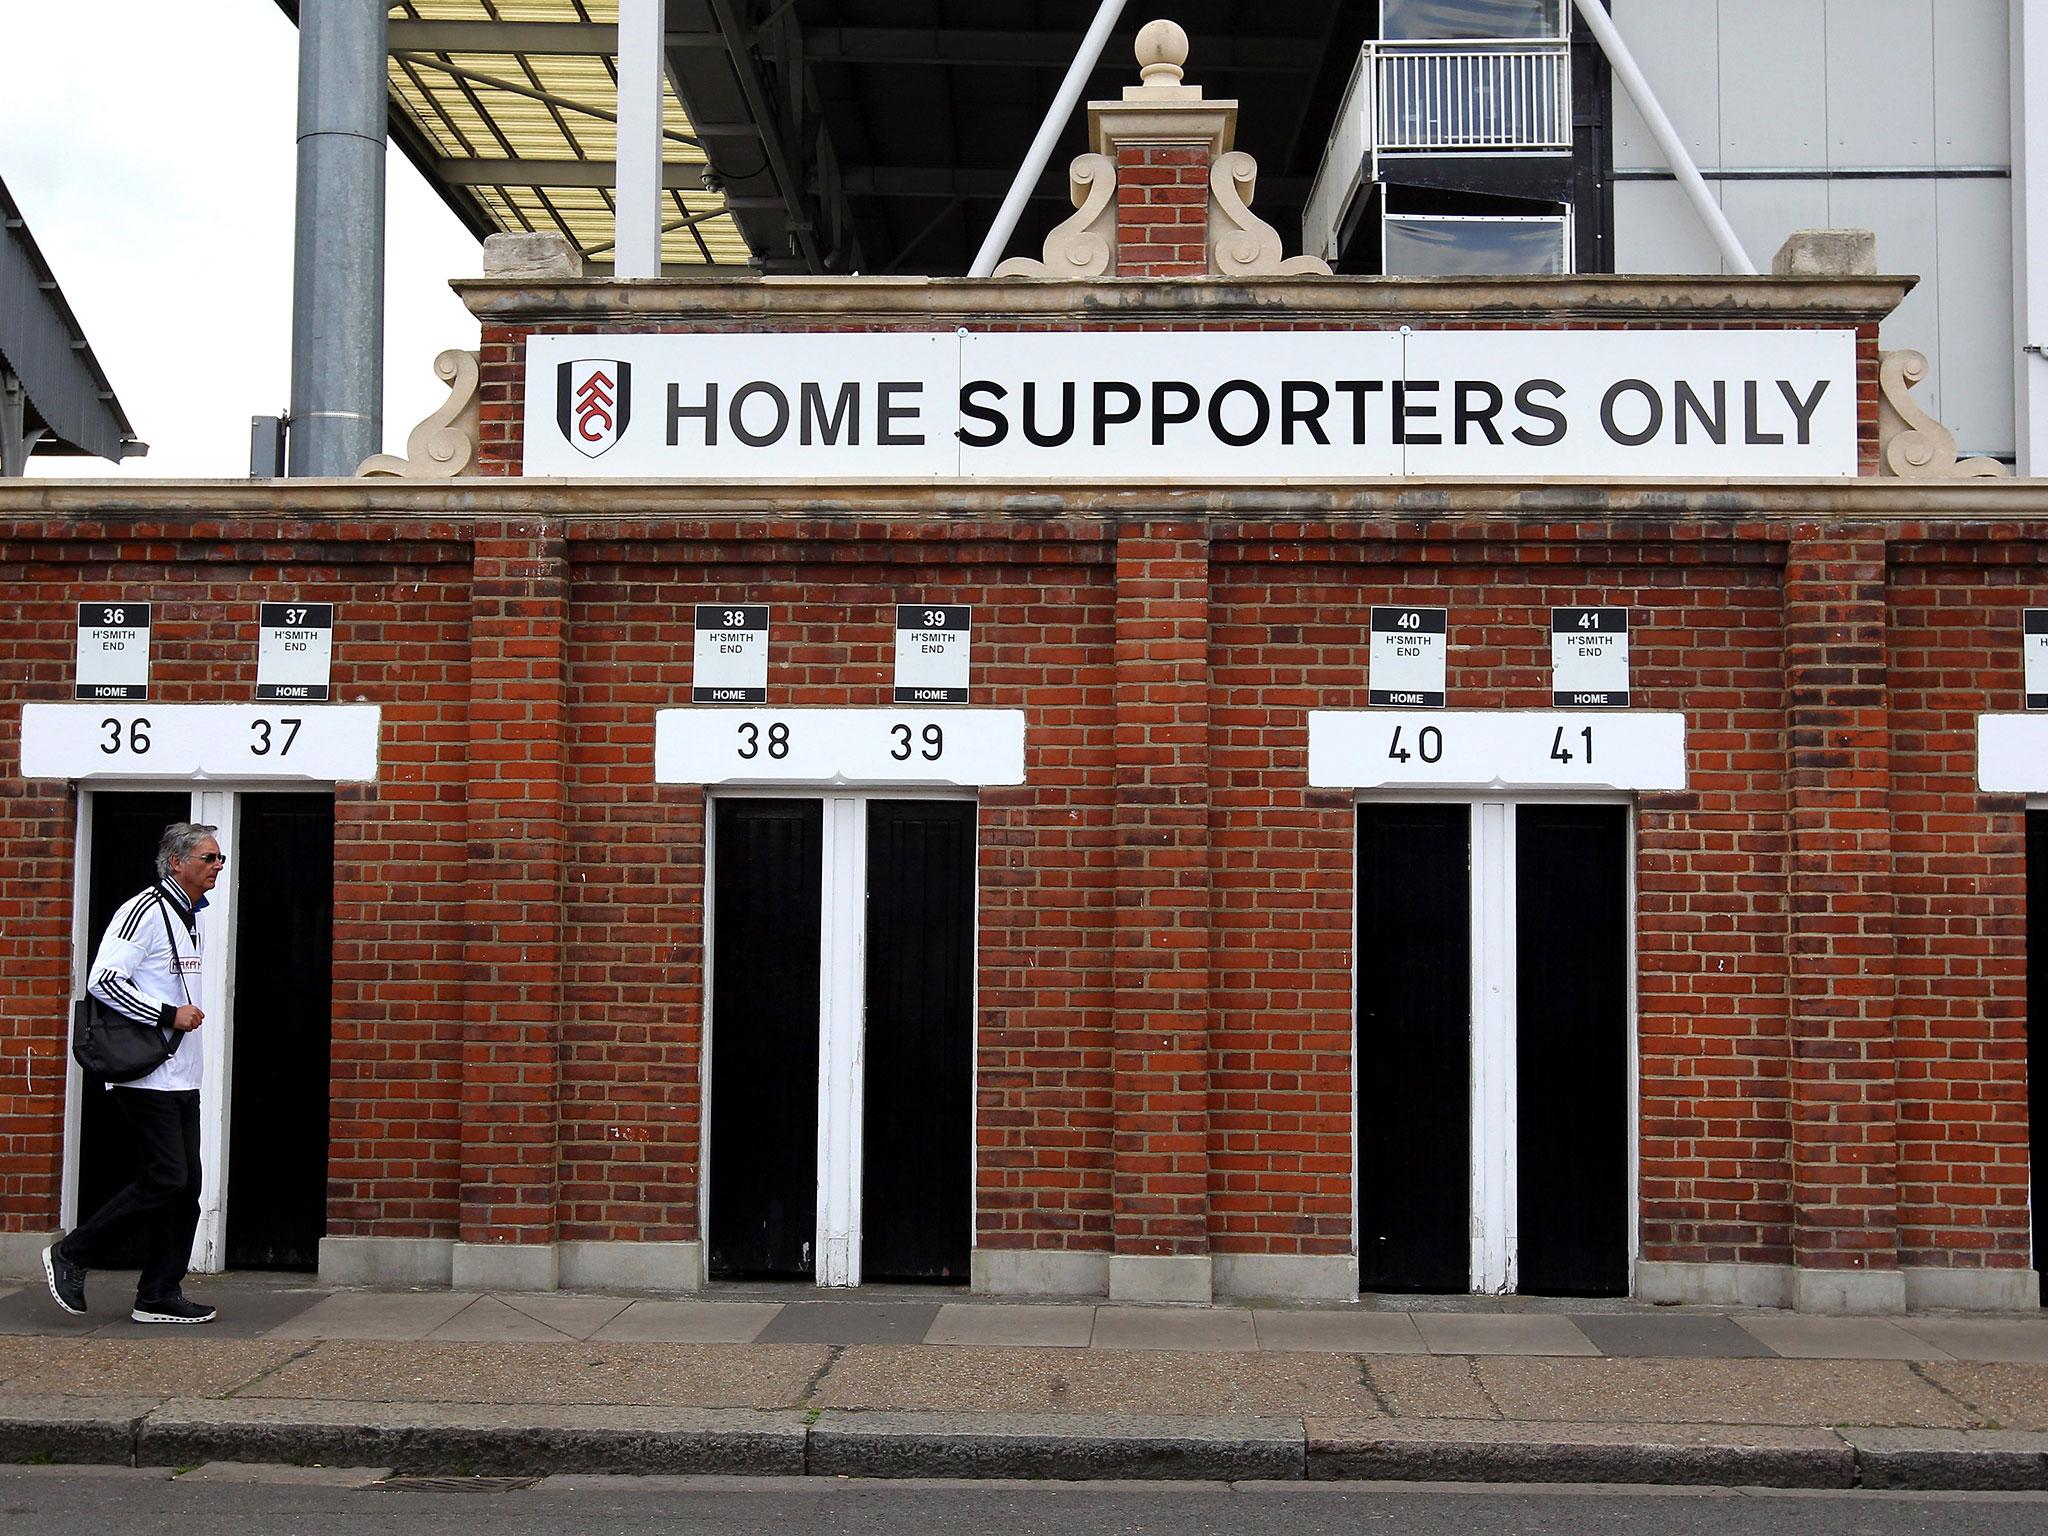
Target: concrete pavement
{"points": [[932, 1384]]}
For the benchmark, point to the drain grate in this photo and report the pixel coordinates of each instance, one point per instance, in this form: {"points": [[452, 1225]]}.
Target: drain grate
{"points": [[458, 1484]]}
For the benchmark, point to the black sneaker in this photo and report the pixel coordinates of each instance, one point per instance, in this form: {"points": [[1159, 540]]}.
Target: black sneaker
{"points": [[173, 1309], [67, 1281]]}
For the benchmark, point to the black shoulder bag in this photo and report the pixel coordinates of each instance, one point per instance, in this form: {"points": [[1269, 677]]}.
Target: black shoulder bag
{"points": [[115, 1048]]}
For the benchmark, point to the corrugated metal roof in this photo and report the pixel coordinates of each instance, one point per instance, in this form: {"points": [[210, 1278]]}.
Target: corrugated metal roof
{"points": [[42, 345]]}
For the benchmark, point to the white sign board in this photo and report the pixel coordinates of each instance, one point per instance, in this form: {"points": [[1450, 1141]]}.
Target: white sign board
{"points": [[731, 658], [2034, 636], [1589, 658], [1185, 405], [1495, 749], [2012, 754], [932, 653], [294, 652], [332, 744], [113, 651], [1409, 656], [839, 746]]}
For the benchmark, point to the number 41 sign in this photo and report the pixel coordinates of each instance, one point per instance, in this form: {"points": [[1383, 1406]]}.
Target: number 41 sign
{"points": [[1495, 749]]}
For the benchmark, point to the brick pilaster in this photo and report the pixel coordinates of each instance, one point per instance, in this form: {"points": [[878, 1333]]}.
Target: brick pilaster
{"points": [[1844, 1115], [1162, 210], [512, 907], [1162, 893]]}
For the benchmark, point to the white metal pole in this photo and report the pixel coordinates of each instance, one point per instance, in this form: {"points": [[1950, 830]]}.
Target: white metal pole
{"points": [[1675, 152], [637, 232], [1048, 135]]}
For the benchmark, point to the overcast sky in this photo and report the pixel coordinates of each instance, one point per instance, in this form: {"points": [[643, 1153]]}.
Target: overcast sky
{"points": [[150, 146]]}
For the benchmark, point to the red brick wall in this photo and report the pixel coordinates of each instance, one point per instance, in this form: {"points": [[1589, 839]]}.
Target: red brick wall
{"points": [[1829, 970]]}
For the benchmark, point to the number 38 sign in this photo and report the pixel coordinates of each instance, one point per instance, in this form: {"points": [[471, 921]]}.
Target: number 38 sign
{"points": [[839, 746], [331, 743]]}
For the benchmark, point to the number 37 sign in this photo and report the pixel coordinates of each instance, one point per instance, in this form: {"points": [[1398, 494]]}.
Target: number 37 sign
{"points": [[328, 743]]}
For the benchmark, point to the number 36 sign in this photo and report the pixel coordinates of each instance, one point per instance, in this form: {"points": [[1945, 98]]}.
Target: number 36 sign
{"points": [[326, 743], [839, 746]]}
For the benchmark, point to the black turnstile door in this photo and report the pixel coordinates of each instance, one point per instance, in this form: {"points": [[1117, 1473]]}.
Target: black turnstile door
{"points": [[763, 1219], [2037, 1030], [1571, 1049], [1413, 1053], [916, 1210], [126, 827], [284, 946]]}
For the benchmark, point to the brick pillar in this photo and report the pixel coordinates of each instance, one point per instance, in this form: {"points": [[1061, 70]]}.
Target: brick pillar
{"points": [[512, 908], [1161, 1180], [1844, 1112], [1162, 210]]}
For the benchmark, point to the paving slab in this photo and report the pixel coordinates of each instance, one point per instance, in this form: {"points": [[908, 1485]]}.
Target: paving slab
{"points": [[473, 1438], [849, 1322], [1190, 1328], [488, 1320], [1429, 1387], [277, 1474], [1975, 1459], [34, 1426], [690, 1322], [1046, 1327], [653, 1375], [1681, 1336], [886, 1444], [1490, 1450], [32, 1311], [375, 1315], [1797, 1336], [186, 1364], [1987, 1339], [1095, 1381], [2007, 1395], [1505, 1333], [575, 1317], [1353, 1333], [1788, 1392]]}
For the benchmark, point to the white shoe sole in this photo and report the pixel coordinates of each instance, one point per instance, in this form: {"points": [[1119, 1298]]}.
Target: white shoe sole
{"points": [[140, 1316], [50, 1278]]}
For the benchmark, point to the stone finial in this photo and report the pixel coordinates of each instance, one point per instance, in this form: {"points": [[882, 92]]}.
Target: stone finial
{"points": [[1827, 253], [1162, 50], [445, 444], [1911, 444], [533, 256]]}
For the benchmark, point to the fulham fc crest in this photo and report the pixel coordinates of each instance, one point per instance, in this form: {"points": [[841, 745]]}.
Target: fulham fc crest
{"points": [[593, 402]]}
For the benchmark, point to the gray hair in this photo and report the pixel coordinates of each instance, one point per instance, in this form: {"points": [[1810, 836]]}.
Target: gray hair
{"points": [[180, 838]]}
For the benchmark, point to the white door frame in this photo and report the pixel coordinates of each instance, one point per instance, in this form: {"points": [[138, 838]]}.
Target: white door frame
{"points": [[842, 1000], [218, 805], [1494, 1111]]}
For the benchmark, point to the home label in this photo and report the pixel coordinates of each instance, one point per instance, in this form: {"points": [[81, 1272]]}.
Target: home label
{"points": [[932, 644], [839, 746], [1589, 658], [1495, 749], [731, 664], [294, 652], [113, 651], [2034, 627], [1409, 647], [184, 742]]}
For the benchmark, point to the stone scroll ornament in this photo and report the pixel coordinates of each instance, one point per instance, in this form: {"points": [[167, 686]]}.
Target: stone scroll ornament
{"points": [[445, 444], [1085, 245], [1241, 244], [1912, 445]]}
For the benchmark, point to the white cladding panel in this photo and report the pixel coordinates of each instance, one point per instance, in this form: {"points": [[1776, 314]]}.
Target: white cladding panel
{"points": [[1657, 230], [1673, 46], [1974, 305], [1765, 212], [1773, 109], [1972, 83], [1880, 83]]}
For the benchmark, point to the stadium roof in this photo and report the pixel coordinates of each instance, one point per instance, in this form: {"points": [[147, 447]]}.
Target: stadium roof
{"points": [[826, 135]]}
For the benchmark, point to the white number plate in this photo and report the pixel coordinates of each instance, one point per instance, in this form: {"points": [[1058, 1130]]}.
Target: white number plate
{"points": [[839, 746], [2012, 754], [326, 743], [1487, 749]]}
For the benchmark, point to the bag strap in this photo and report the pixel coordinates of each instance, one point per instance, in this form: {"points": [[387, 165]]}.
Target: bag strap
{"points": [[163, 910]]}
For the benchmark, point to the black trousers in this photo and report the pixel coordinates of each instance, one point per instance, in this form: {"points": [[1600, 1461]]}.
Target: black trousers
{"points": [[164, 1195]]}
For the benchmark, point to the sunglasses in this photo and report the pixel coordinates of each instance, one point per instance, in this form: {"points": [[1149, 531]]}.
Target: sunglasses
{"points": [[211, 858]]}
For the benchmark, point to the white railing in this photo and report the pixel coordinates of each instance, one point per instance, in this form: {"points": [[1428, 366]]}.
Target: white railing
{"points": [[1506, 96]]}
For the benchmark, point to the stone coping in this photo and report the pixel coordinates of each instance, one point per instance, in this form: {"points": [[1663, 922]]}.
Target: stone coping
{"points": [[926, 302]]}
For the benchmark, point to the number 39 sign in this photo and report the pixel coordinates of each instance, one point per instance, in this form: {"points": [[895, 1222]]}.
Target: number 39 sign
{"points": [[839, 746]]}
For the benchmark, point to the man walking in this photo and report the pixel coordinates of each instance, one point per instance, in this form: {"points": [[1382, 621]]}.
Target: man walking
{"points": [[148, 968]]}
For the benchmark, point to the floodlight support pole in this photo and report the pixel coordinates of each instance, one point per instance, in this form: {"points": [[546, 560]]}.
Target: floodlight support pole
{"points": [[1048, 135], [1676, 155], [637, 201], [337, 410]]}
